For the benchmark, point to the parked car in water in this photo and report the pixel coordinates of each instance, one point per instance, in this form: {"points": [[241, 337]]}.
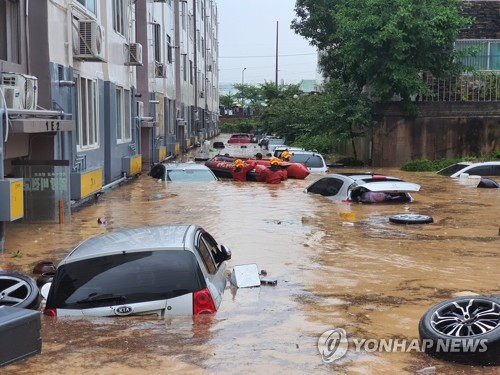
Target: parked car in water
{"points": [[163, 270], [272, 143], [364, 188], [240, 138], [483, 169], [182, 172], [313, 160]]}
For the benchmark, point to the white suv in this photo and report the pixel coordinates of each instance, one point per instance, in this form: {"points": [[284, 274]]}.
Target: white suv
{"points": [[313, 160], [164, 270]]}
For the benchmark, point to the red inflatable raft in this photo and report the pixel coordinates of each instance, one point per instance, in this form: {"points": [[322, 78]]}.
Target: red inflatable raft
{"points": [[222, 166]]}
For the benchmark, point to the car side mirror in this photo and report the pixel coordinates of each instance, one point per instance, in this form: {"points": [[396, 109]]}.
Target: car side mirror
{"points": [[226, 253]]}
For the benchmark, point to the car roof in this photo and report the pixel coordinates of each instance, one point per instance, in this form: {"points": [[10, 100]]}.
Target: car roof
{"points": [[185, 165], [363, 177], [160, 237]]}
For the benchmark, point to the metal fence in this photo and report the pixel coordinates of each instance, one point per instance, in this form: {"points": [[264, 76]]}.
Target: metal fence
{"points": [[475, 87]]}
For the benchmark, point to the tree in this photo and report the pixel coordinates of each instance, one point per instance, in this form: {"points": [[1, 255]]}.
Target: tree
{"points": [[227, 100], [383, 45], [338, 114]]}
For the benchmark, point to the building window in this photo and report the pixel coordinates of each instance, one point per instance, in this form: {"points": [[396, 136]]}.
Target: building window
{"points": [[87, 114], [157, 41], [191, 71], [169, 49], [89, 4], [9, 31], [184, 67], [183, 16], [119, 17], [123, 115]]}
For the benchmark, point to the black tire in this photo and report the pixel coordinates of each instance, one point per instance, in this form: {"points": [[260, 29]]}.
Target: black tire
{"points": [[410, 219], [453, 328], [19, 290]]}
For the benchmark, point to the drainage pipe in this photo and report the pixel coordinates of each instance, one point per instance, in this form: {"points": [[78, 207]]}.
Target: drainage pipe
{"points": [[116, 182]]}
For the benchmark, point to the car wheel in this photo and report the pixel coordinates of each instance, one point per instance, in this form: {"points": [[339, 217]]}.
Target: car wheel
{"points": [[18, 290], [463, 329], [410, 219]]}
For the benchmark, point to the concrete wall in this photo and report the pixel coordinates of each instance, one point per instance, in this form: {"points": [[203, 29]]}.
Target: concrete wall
{"points": [[442, 130]]}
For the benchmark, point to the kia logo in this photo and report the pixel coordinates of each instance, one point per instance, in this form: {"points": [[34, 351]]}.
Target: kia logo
{"points": [[123, 310]]}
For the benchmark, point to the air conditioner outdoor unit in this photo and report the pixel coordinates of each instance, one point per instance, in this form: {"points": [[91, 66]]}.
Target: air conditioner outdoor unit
{"points": [[11, 96], [140, 109], [134, 54], [20, 90], [90, 41], [160, 70]]}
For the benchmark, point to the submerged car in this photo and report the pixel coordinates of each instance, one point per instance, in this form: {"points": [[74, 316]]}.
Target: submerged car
{"points": [[240, 138], [484, 169], [313, 160], [163, 270], [364, 188], [182, 172]]}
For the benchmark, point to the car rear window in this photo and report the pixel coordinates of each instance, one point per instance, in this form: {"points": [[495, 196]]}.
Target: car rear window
{"points": [[311, 161], [130, 277], [452, 169], [190, 175]]}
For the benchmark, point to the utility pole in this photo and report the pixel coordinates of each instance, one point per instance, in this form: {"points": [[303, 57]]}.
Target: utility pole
{"points": [[277, 22]]}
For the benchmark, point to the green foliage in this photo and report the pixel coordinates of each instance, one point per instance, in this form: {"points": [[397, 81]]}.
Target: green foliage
{"points": [[320, 143], [244, 126], [342, 112], [424, 165], [226, 100], [384, 45]]}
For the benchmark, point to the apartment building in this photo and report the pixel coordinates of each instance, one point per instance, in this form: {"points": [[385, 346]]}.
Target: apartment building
{"points": [[96, 91]]}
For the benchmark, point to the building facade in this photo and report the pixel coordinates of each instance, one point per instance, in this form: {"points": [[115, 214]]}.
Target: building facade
{"points": [[95, 91]]}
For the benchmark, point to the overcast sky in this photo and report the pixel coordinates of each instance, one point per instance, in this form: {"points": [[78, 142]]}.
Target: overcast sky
{"points": [[247, 39]]}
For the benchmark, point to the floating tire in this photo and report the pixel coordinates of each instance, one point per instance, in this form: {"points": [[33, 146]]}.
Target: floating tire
{"points": [[410, 219], [18, 290], [463, 329]]}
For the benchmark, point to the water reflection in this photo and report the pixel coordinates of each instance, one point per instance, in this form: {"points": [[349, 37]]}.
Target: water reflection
{"points": [[337, 265]]}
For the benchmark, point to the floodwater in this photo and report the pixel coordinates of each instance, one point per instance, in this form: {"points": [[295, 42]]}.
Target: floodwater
{"points": [[337, 266]]}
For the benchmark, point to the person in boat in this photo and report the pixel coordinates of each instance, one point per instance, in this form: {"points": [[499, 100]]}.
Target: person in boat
{"points": [[274, 174], [285, 156], [241, 169]]}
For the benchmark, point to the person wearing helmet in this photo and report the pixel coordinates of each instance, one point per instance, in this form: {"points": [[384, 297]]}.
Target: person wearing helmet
{"points": [[274, 174], [285, 156], [241, 169]]}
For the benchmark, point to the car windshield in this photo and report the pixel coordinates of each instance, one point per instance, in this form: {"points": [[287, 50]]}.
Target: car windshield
{"points": [[125, 278], [448, 171], [190, 175]]}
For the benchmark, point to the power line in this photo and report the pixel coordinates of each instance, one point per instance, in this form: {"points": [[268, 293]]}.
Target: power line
{"points": [[251, 57]]}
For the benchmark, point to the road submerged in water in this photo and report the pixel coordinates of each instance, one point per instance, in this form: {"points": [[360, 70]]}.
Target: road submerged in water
{"points": [[337, 265]]}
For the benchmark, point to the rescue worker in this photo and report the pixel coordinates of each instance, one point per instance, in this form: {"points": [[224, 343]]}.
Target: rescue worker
{"points": [[285, 156], [274, 174], [241, 169]]}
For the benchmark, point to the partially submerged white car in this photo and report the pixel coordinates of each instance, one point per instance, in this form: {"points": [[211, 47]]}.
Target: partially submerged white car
{"points": [[484, 169], [163, 270], [364, 188]]}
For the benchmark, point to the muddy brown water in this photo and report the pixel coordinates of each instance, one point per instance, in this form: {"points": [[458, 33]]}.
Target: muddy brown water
{"points": [[337, 265]]}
